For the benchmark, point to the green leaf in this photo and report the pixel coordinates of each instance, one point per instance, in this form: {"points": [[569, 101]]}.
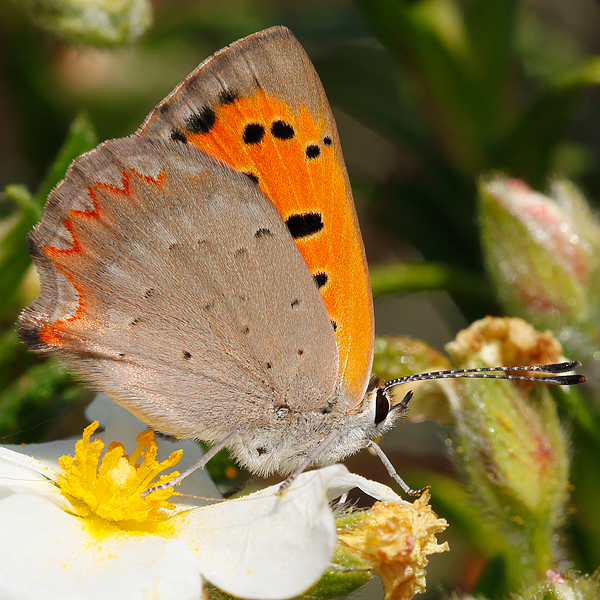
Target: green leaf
{"points": [[531, 146], [14, 358], [492, 582], [575, 408], [491, 34], [435, 212], [14, 259], [36, 397], [585, 476], [81, 138], [21, 196], [453, 87]]}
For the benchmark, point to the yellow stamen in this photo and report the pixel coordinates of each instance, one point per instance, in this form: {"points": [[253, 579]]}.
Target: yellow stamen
{"points": [[113, 489]]}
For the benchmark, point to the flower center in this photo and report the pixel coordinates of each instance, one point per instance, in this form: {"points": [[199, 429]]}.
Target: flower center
{"points": [[112, 488]]}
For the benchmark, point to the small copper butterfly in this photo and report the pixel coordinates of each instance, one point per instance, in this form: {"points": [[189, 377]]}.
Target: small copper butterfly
{"points": [[209, 274]]}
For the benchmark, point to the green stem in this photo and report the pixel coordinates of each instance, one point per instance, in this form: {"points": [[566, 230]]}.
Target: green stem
{"points": [[20, 195], [540, 544], [403, 277]]}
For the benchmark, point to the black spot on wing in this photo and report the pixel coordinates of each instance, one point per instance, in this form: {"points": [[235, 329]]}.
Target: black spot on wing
{"points": [[327, 140], [320, 279], [282, 130], [334, 325], [178, 136], [253, 133], [312, 151], [227, 97], [201, 121], [187, 355], [252, 177], [305, 224], [263, 232]]}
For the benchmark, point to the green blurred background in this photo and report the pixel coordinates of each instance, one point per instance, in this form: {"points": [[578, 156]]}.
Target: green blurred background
{"points": [[429, 95]]}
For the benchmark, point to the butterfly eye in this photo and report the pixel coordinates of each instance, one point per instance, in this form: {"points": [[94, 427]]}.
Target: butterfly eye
{"points": [[382, 406]]}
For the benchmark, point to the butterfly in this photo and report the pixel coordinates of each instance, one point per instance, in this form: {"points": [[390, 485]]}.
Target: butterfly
{"points": [[209, 274]]}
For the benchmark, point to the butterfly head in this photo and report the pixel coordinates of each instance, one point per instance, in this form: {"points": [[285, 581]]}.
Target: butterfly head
{"points": [[379, 409]]}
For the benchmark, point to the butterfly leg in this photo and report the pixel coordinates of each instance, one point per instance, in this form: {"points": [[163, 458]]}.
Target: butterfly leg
{"points": [[240, 488], [199, 464], [309, 459], [390, 469]]}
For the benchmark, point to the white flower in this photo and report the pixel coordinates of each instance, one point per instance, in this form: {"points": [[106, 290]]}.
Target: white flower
{"points": [[258, 546]]}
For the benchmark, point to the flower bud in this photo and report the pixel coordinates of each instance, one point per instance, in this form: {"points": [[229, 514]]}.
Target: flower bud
{"points": [[395, 540], [510, 439], [573, 586], [543, 254], [102, 23]]}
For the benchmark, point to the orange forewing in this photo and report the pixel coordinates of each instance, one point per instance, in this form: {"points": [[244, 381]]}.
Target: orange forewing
{"points": [[299, 184]]}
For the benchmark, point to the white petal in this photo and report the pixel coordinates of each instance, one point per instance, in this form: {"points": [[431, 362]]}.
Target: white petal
{"points": [[99, 409], [22, 473], [271, 547], [47, 454], [267, 546], [47, 553], [342, 482]]}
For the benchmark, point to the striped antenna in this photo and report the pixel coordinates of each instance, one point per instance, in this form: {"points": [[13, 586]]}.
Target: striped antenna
{"points": [[488, 373]]}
